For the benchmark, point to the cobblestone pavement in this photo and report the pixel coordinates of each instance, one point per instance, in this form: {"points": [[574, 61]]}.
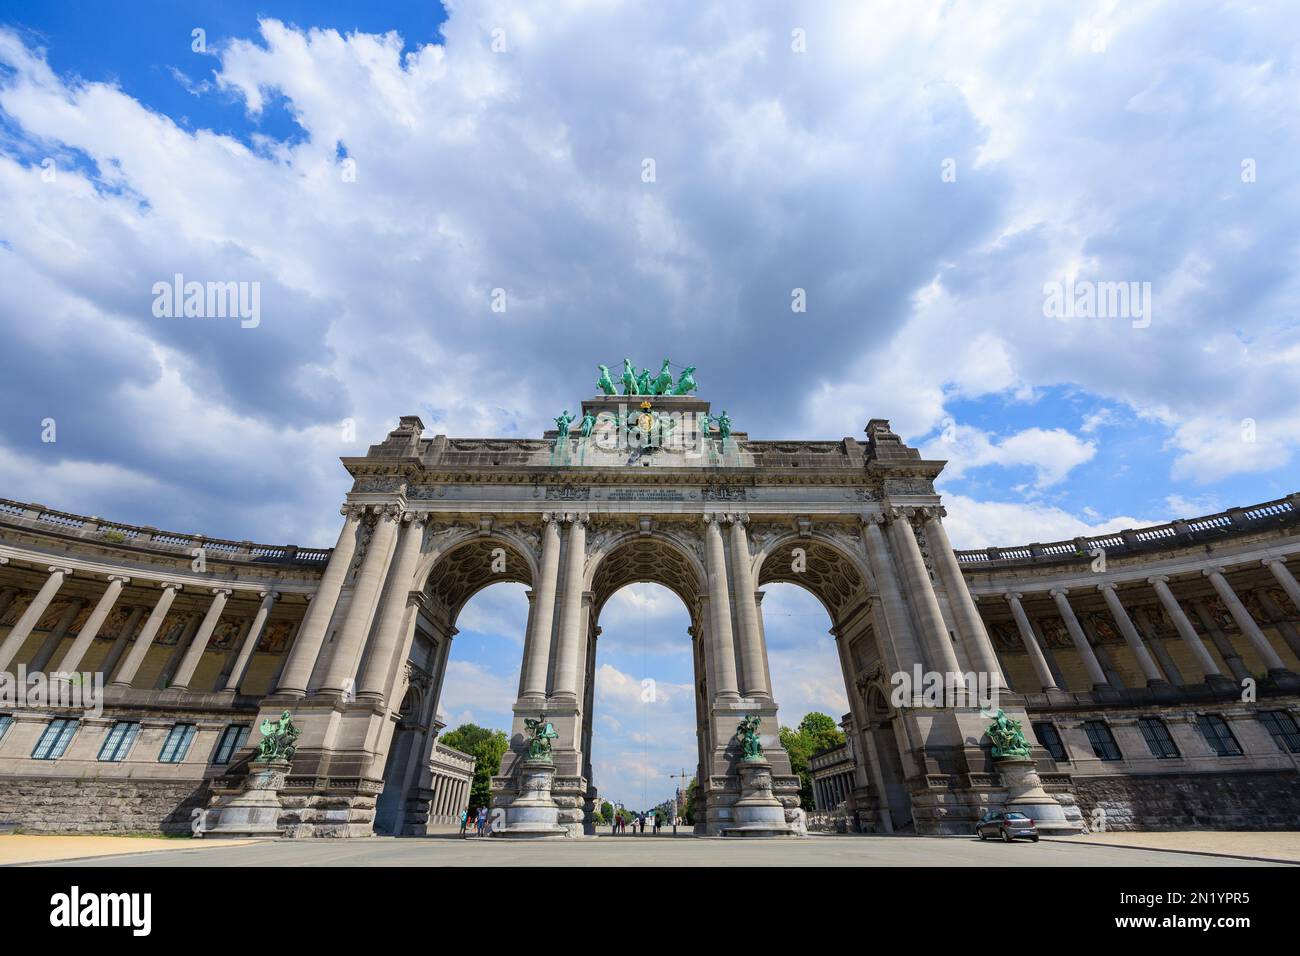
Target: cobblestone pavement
{"points": [[664, 851]]}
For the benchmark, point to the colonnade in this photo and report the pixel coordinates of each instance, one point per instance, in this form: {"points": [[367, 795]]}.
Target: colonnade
{"points": [[1153, 660], [123, 661]]}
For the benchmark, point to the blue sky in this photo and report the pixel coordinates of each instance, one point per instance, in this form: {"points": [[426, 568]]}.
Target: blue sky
{"points": [[924, 172]]}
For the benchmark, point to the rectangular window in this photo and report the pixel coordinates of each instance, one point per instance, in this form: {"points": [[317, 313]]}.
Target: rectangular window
{"points": [[1157, 737], [1051, 740], [119, 740], [1218, 735], [54, 741], [5, 722], [1286, 734], [178, 744], [232, 738], [1102, 740]]}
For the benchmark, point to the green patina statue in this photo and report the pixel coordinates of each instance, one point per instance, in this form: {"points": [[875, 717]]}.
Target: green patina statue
{"points": [[629, 378], [724, 425], [643, 383], [605, 384], [747, 734], [663, 381], [587, 424], [562, 422], [542, 733], [706, 425], [685, 382], [278, 738], [1008, 739]]}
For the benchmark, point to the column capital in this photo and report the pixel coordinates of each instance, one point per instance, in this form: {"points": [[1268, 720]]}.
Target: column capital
{"points": [[1106, 586], [876, 518], [737, 517], [1059, 592], [1272, 560], [932, 512], [1211, 572], [272, 594], [352, 512], [226, 591], [58, 569], [118, 577], [1012, 595], [171, 586], [1158, 579], [3, 559], [711, 518]]}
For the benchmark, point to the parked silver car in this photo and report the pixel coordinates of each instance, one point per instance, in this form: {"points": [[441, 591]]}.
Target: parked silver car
{"points": [[1007, 824]]}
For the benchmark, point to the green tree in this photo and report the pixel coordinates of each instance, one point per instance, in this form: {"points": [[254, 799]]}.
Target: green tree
{"points": [[817, 732], [487, 747]]}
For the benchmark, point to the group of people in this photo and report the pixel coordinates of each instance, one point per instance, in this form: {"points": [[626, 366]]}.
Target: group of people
{"points": [[480, 820], [637, 821]]}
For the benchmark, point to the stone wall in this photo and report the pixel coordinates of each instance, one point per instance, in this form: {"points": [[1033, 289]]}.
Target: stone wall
{"points": [[62, 805], [1260, 800]]}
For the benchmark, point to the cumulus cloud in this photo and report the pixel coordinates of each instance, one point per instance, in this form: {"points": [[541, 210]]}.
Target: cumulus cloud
{"points": [[981, 524], [1051, 453]]}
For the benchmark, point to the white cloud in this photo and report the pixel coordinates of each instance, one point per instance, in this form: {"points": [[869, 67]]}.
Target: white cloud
{"points": [[981, 524], [1051, 453]]}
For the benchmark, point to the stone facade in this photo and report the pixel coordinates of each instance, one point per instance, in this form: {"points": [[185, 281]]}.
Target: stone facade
{"points": [[216, 636]]}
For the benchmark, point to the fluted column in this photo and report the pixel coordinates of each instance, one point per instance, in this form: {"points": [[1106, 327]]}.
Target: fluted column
{"points": [[13, 641], [1036, 658], [1090, 663], [725, 684], [251, 639], [568, 659], [1244, 621], [1134, 640], [970, 626], [754, 680], [119, 643], [365, 591], [924, 601], [126, 673], [90, 630], [902, 645], [389, 632], [1185, 630], [311, 636], [56, 636], [537, 652], [194, 653]]}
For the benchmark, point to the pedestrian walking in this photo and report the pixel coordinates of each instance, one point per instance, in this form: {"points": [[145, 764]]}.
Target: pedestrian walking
{"points": [[464, 823]]}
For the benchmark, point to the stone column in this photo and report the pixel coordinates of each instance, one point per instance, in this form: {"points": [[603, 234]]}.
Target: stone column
{"points": [[1147, 628], [1277, 617], [1036, 658], [1284, 578], [73, 655], [924, 601], [251, 639], [164, 678], [194, 654], [902, 645], [232, 654], [970, 626], [537, 650], [311, 636], [56, 636], [568, 658], [725, 684], [120, 642], [1247, 623], [389, 632], [1209, 669], [754, 679], [13, 641], [365, 591], [126, 674], [1090, 664], [1236, 666], [1148, 665]]}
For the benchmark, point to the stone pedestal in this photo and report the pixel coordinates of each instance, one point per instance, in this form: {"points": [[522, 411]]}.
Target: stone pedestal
{"points": [[758, 813], [1025, 794], [533, 813], [254, 811]]}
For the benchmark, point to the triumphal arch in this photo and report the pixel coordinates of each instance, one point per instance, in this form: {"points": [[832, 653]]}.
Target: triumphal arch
{"points": [[646, 482]]}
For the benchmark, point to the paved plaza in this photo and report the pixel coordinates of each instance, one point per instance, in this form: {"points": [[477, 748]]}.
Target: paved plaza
{"points": [[450, 850]]}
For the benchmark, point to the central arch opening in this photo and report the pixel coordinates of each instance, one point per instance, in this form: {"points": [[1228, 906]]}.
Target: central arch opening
{"points": [[643, 719]]}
